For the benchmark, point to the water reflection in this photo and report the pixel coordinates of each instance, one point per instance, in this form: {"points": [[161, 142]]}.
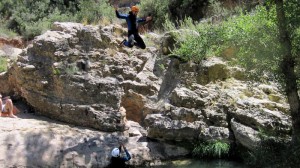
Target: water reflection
{"points": [[190, 163]]}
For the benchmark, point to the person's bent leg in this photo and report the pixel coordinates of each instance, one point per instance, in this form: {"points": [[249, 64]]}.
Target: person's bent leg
{"points": [[128, 44], [10, 107], [139, 41], [130, 41]]}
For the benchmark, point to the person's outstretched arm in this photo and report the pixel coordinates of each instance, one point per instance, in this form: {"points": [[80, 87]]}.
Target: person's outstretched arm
{"points": [[120, 16], [147, 19], [128, 156], [140, 20]]}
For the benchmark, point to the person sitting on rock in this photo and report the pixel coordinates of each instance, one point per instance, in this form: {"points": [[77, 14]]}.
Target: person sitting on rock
{"points": [[119, 157], [134, 39], [6, 107]]}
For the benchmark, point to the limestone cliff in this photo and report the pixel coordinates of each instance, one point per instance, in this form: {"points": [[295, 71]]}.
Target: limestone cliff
{"points": [[80, 75]]}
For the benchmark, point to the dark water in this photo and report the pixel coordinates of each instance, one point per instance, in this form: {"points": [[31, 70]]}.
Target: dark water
{"points": [[190, 163]]}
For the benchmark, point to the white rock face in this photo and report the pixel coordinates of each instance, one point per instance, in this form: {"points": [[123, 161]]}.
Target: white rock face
{"points": [[80, 75], [34, 141]]}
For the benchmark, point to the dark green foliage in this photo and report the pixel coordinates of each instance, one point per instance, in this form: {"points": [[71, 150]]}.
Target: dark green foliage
{"points": [[195, 46], [195, 41], [30, 18], [158, 9], [4, 32], [174, 10], [255, 36], [252, 36], [180, 9], [92, 11], [292, 8], [274, 153]]}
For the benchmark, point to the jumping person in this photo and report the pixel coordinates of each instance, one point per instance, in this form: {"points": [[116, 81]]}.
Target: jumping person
{"points": [[134, 39]]}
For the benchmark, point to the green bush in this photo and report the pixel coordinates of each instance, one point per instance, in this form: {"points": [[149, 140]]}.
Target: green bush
{"points": [[196, 41], [211, 149], [92, 11], [5, 32], [30, 18], [216, 8], [158, 9], [254, 37]]}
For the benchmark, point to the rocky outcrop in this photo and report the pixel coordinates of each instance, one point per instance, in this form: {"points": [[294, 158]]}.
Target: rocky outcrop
{"points": [[56, 78], [80, 75], [35, 141]]}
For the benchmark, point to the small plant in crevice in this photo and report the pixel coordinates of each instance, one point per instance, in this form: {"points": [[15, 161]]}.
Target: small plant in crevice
{"points": [[275, 133], [211, 149], [65, 69], [3, 64], [71, 69], [162, 67], [56, 71]]}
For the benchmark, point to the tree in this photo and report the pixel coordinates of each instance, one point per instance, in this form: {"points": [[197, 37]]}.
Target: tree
{"points": [[288, 70]]}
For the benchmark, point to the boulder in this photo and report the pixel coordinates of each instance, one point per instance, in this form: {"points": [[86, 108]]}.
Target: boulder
{"points": [[184, 97], [215, 133], [212, 70], [70, 74], [244, 135], [165, 129]]}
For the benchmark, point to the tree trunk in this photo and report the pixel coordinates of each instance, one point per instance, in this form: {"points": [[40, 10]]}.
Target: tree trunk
{"points": [[288, 67]]}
